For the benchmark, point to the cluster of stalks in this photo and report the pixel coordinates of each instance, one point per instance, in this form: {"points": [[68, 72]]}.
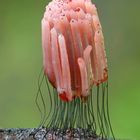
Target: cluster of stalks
{"points": [[90, 115]]}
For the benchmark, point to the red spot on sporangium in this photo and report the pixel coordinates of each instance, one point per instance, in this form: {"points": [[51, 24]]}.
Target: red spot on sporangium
{"points": [[63, 97], [77, 9]]}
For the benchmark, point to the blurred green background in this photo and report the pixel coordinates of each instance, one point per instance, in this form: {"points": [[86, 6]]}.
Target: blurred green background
{"points": [[21, 61]]}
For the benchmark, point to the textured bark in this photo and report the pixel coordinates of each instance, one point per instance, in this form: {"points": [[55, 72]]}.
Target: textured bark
{"points": [[47, 134]]}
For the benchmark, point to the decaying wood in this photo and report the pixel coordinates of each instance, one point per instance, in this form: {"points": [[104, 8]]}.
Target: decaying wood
{"points": [[47, 134]]}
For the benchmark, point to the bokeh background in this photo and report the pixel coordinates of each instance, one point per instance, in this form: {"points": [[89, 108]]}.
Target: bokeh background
{"points": [[21, 61]]}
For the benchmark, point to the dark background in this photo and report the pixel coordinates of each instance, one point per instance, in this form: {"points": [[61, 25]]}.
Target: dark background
{"points": [[21, 61]]}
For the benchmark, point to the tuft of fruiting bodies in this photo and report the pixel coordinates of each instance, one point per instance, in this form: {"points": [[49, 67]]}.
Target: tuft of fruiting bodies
{"points": [[73, 48]]}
